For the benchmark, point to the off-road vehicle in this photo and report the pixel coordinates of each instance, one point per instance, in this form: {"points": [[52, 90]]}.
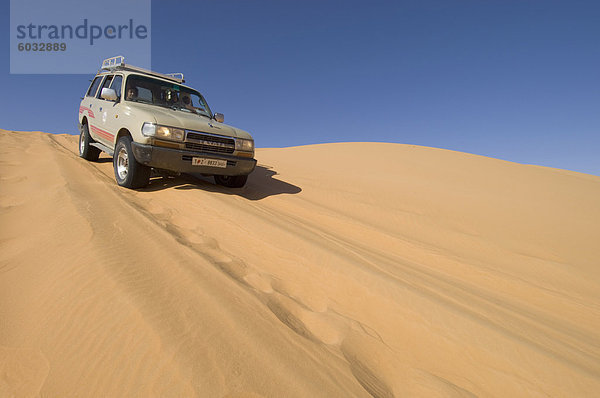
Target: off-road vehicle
{"points": [[145, 120]]}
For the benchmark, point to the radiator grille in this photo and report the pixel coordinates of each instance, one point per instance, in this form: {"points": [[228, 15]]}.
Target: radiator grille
{"points": [[209, 143]]}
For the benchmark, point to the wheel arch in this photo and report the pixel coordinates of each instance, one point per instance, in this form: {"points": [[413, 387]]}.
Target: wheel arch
{"points": [[122, 133]]}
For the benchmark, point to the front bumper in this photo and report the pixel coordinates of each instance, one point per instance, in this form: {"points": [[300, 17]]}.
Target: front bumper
{"points": [[181, 161]]}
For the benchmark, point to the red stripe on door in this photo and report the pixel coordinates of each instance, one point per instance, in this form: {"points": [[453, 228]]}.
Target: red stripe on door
{"points": [[102, 133]]}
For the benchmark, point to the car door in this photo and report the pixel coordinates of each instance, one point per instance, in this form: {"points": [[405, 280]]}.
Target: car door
{"points": [[109, 110], [104, 111], [89, 106]]}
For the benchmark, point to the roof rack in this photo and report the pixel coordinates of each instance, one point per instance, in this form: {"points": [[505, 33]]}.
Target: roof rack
{"points": [[118, 63], [113, 62], [178, 76]]}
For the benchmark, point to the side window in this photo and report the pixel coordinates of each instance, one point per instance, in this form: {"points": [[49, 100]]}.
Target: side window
{"points": [[106, 84], [94, 87], [137, 89], [116, 85]]}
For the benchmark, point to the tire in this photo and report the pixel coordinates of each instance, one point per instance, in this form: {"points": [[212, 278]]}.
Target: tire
{"points": [[87, 151], [231, 181], [128, 172]]}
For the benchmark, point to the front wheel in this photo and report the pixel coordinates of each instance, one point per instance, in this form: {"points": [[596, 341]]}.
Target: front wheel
{"points": [[128, 172], [87, 151], [231, 181]]}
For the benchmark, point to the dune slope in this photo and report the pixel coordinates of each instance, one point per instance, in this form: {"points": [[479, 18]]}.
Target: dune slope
{"points": [[358, 269]]}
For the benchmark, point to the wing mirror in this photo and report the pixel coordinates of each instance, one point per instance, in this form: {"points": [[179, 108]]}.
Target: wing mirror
{"points": [[219, 117], [108, 94]]}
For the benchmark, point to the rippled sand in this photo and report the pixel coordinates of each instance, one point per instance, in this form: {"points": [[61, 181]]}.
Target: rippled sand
{"points": [[340, 270]]}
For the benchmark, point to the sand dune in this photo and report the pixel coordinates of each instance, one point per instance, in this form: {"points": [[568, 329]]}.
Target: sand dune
{"points": [[340, 270]]}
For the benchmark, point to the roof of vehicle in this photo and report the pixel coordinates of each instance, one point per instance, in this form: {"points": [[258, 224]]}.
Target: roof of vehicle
{"points": [[118, 64]]}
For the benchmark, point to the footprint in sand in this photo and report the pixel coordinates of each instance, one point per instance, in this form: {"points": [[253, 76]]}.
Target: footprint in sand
{"points": [[319, 327], [382, 374], [309, 295]]}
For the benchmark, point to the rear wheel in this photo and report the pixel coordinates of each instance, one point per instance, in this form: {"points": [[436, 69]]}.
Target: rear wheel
{"points": [[87, 151], [128, 172], [231, 181]]}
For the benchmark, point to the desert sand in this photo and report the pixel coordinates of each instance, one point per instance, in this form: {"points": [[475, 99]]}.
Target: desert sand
{"points": [[340, 270]]}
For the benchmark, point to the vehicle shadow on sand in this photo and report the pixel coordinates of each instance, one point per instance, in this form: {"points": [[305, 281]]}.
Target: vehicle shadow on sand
{"points": [[260, 185]]}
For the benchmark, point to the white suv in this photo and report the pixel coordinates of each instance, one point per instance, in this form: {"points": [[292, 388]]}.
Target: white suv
{"points": [[145, 120]]}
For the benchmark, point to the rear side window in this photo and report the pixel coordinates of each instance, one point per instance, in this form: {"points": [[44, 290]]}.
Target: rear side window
{"points": [[116, 85], [94, 87]]}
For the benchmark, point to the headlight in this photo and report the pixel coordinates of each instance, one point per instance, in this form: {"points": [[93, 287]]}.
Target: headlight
{"points": [[244, 145], [163, 132], [169, 133]]}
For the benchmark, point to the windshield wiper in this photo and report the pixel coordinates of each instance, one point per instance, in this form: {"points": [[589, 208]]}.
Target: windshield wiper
{"points": [[188, 110], [141, 101], [173, 106], [163, 105]]}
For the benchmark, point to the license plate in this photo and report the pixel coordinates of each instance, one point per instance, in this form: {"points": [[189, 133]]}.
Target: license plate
{"points": [[209, 162]]}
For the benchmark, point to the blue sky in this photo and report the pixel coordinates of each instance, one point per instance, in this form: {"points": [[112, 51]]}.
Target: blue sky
{"points": [[516, 80]]}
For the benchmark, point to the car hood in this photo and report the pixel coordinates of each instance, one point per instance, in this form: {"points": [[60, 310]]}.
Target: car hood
{"points": [[187, 121]]}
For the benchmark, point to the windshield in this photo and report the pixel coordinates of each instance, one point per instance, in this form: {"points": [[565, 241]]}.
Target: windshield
{"points": [[157, 92]]}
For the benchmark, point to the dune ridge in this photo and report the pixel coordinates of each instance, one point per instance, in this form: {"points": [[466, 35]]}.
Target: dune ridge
{"points": [[351, 269]]}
